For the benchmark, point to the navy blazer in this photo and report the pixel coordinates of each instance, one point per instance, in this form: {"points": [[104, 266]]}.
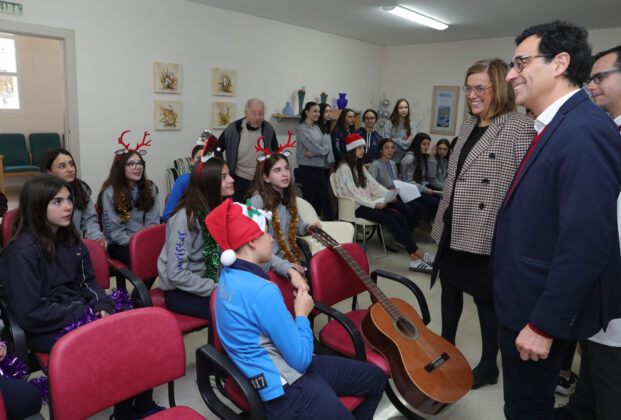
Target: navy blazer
{"points": [[556, 259]]}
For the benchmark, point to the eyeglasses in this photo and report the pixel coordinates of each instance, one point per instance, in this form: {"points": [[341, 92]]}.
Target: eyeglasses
{"points": [[522, 61], [369, 117], [132, 165], [479, 90], [599, 77]]}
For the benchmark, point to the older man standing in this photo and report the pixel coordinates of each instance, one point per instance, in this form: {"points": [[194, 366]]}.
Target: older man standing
{"points": [[597, 393], [555, 264], [239, 140]]}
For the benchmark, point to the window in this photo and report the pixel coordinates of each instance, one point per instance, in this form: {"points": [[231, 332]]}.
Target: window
{"points": [[9, 91]]}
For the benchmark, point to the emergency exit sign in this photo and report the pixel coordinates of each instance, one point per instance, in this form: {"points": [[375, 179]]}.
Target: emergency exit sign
{"points": [[9, 8]]}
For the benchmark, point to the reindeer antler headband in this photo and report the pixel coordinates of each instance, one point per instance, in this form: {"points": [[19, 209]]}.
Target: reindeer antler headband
{"points": [[281, 149], [138, 145]]}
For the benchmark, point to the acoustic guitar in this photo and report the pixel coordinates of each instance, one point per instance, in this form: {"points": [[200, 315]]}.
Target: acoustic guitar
{"points": [[428, 371]]}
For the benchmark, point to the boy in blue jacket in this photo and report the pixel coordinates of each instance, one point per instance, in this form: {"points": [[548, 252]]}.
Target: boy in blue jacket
{"points": [[273, 350]]}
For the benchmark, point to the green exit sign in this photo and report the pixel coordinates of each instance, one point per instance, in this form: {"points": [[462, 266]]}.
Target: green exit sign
{"points": [[9, 8]]}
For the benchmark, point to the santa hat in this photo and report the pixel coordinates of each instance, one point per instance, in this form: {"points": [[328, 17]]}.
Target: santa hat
{"points": [[205, 136], [233, 225], [354, 140]]}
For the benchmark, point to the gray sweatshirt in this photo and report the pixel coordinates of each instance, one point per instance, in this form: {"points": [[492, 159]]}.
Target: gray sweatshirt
{"points": [[441, 172], [87, 221], [379, 171], [120, 233], [311, 139], [279, 264], [408, 166], [181, 264], [400, 137]]}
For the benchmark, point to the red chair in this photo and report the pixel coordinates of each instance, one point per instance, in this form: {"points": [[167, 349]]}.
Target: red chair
{"points": [[2, 409], [145, 247], [127, 353], [114, 264], [333, 281], [7, 225], [230, 380]]}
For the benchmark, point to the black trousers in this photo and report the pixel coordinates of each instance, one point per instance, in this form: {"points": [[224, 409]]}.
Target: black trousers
{"points": [[242, 185], [21, 399], [187, 303], [316, 190], [452, 302], [598, 392], [121, 253], [391, 218], [528, 385], [569, 355]]}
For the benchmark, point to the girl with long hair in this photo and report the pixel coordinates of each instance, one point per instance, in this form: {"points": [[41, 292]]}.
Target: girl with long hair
{"points": [[354, 181], [129, 203], [399, 128], [59, 162], [273, 190], [343, 128], [188, 263], [440, 152], [418, 169], [313, 153], [48, 274], [370, 135]]}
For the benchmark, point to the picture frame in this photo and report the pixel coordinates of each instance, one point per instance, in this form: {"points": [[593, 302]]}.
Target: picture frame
{"points": [[167, 115], [444, 110], [223, 114], [224, 82], [167, 77]]}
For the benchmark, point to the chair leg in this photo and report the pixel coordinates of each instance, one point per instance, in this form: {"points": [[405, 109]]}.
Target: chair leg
{"points": [[380, 233], [403, 409], [364, 238]]}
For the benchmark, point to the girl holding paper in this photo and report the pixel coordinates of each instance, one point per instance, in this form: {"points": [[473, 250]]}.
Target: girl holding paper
{"points": [[354, 181]]}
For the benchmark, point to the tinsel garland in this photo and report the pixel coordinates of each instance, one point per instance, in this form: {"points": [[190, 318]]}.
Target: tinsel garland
{"points": [[211, 250], [122, 208], [291, 250]]}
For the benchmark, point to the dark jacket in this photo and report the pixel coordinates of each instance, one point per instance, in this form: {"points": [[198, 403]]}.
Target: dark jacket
{"points": [[47, 296], [555, 258], [373, 140], [229, 141], [338, 144]]}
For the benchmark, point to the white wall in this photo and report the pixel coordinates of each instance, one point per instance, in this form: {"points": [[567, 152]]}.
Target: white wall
{"points": [[117, 42], [411, 71]]}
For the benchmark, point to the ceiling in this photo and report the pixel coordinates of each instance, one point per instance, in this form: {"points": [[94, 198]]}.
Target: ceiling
{"points": [[365, 20]]}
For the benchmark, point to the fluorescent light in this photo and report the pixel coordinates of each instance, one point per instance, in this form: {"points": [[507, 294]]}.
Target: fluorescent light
{"points": [[416, 17]]}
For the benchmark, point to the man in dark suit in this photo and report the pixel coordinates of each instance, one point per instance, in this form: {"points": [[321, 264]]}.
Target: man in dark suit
{"points": [[556, 264], [597, 393]]}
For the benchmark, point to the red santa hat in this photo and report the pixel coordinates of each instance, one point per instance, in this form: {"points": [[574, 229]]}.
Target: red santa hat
{"points": [[233, 225], [354, 140]]}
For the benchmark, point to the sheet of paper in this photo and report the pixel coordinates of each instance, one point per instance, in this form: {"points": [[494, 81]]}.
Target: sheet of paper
{"points": [[407, 191], [388, 198]]}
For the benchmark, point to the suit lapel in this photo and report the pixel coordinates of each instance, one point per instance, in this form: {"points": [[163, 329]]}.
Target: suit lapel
{"points": [[485, 141]]}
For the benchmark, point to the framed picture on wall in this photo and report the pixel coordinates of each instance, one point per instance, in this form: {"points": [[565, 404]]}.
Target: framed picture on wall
{"points": [[444, 110], [167, 78], [223, 113], [167, 115], [224, 82]]}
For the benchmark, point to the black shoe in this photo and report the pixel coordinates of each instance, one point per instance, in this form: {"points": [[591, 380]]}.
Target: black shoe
{"points": [[484, 377]]}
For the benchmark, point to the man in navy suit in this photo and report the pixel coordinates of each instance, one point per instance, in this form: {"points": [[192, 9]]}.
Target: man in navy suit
{"points": [[556, 262]]}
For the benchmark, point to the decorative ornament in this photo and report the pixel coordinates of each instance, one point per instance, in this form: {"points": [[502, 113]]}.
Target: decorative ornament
{"points": [[211, 146], [301, 93], [341, 102], [324, 97], [288, 109], [126, 148], [211, 250], [281, 149], [290, 250]]}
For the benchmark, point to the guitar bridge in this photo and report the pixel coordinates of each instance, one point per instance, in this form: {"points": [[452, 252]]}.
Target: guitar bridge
{"points": [[437, 362]]}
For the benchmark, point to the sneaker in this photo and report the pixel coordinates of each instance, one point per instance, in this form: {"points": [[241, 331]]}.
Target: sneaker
{"points": [[566, 386], [420, 266], [428, 259]]}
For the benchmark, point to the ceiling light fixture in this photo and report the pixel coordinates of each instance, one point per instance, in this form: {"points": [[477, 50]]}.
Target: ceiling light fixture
{"points": [[415, 17]]}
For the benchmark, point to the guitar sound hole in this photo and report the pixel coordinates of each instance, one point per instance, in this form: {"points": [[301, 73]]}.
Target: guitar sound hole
{"points": [[406, 328]]}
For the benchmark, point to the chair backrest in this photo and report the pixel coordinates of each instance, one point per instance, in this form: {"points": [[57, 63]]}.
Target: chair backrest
{"points": [[332, 279], [212, 310], [2, 409], [7, 225], [144, 250], [112, 359], [306, 210], [99, 216], [182, 165], [13, 148], [333, 182], [99, 259], [40, 142]]}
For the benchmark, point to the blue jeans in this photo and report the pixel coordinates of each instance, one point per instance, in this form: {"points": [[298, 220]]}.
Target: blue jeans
{"points": [[315, 394]]}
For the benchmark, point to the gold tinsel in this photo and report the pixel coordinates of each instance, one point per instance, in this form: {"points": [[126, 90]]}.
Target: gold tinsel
{"points": [[122, 208], [290, 250]]}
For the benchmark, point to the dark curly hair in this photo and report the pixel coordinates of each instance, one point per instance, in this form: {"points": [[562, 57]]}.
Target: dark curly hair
{"points": [[616, 50], [557, 37]]}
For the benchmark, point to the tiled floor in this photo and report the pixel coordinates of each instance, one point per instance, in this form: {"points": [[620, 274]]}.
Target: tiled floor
{"points": [[483, 404]]}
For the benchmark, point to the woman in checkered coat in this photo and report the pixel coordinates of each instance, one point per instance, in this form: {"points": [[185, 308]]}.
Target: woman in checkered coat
{"points": [[489, 150]]}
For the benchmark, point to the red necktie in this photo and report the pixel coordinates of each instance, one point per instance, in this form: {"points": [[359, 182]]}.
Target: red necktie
{"points": [[530, 151]]}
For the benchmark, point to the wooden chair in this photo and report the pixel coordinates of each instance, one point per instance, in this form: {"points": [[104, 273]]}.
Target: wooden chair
{"points": [[40, 142]]}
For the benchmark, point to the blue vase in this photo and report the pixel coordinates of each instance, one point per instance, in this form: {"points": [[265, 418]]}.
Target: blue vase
{"points": [[341, 102], [288, 109]]}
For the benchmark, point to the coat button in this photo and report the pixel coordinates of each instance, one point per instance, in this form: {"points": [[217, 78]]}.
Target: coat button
{"points": [[485, 181], [492, 155], [481, 206]]}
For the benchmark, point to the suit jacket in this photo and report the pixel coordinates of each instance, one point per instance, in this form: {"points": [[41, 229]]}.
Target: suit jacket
{"points": [[483, 182], [556, 259]]}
